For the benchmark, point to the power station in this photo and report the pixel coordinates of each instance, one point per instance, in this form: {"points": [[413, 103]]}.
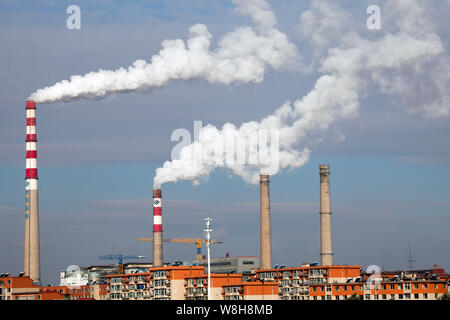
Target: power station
{"points": [[232, 278], [31, 247]]}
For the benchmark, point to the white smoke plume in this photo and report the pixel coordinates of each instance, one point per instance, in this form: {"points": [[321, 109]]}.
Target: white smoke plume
{"points": [[242, 55], [408, 63]]}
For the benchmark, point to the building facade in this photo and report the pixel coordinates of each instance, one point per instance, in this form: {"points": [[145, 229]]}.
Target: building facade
{"points": [[255, 290], [164, 283], [196, 288], [231, 264], [22, 288]]}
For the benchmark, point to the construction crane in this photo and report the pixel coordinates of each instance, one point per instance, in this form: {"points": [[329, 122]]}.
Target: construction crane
{"points": [[197, 241], [119, 258]]}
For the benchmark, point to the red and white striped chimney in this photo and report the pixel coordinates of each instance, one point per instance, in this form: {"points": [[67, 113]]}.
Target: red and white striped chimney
{"points": [[157, 229], [32, 251]]}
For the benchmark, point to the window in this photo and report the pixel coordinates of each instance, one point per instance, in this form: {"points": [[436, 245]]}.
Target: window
{"points": [[408, 286], [400, 286], [425, 295], [407, 296], [367, 297], [400, 296], [328, 297], [416, 296], [375, 297], [384, 297], [416, 286], [424, 285], [337, 297], [328, 288], [392, 287]]}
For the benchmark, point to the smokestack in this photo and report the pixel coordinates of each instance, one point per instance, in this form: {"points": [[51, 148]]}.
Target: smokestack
{"points": [[266, 242], [32, 253], [157, 229], [326, 244]]}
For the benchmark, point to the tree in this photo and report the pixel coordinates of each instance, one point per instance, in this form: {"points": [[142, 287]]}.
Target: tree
{"points": [[354, 297], [445, 296]]}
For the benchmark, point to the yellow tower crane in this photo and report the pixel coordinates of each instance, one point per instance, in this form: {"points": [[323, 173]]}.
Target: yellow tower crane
{"points": [[197, 241]]}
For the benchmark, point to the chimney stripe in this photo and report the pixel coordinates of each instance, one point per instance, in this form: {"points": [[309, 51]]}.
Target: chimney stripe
{"points": [[31, 174], [31, 138], [31, 113], [30, 104], [31, 154], [31, 184], [31, 129], [31, 121], [30, 145], [31, 163]]}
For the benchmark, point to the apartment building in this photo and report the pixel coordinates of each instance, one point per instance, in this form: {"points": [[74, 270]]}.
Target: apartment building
{"points": [[163, 283], [196, 288], [85, 292], [384, 290], [22, 288], [294, 283], [254, 290]]}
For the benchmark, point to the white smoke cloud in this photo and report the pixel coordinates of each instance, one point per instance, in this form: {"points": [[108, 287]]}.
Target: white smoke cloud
{"points": [[242, 55], [409, 63]]}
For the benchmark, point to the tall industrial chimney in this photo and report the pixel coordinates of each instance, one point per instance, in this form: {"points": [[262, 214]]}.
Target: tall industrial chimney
{"points": [[326, 244], [157, 229], [264, 210], [32, 254]]}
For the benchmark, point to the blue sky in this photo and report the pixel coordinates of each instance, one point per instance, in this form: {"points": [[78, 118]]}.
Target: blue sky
{"points": [[389, 176]]}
